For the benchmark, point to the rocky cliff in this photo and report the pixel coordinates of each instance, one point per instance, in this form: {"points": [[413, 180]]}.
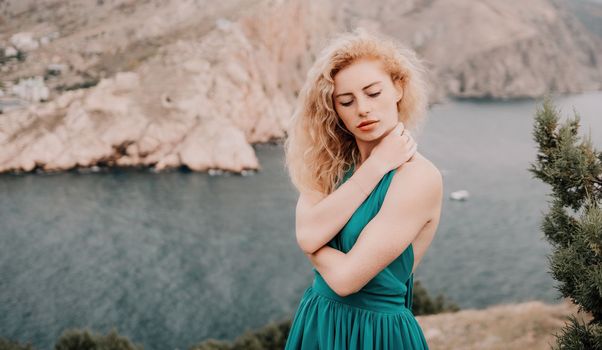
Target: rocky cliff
{"points": [[171, 83]]}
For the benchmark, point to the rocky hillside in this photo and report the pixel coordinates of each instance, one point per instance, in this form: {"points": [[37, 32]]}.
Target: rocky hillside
{"points": [[195, 83], [494, 49], [528, 325]]}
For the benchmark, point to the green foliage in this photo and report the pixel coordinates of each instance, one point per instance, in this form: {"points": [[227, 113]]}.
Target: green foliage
{"points": [[573, 224], [572, 169], [271, 336], [423, 304], [577, 335], [6, 344], [80, 85], [213, 344], [21, 56], [75, 339]]}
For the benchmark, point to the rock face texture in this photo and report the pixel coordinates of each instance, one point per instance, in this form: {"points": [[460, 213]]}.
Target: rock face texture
{"points": [[196, 102], [526, 325], [493, 49], [172, 83]]}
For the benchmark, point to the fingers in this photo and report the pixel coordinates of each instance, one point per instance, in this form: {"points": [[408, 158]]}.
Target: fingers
{"points": [[398, 130], [411, 144], [412, 151]]}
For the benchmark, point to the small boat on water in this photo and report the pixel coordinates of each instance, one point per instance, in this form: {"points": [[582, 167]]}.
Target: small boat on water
{"points": [[460, 195]]}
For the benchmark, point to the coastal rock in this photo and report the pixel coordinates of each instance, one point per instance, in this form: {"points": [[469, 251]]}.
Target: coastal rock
{"points": [[10, 52], [24, 41], [493, 49], [31, 89], [196, 103], [168, 83]]}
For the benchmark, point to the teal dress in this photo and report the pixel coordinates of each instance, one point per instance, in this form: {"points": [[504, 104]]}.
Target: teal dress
{"points": [[379, 316]]}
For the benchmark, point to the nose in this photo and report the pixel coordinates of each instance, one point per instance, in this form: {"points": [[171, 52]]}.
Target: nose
{"points": [[363, 106]]}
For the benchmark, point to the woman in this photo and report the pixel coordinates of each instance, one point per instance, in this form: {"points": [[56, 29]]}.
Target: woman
{"points": [[369, 204]]}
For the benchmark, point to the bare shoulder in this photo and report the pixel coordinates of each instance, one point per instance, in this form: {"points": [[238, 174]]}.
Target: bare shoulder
{"points": [[419, 168], [418, 177]]}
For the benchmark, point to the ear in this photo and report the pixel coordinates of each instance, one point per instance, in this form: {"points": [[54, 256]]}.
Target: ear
{"points": [[399, 89]]}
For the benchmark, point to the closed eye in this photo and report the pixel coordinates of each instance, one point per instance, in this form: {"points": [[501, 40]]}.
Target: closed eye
{"points": [[347, 104]]}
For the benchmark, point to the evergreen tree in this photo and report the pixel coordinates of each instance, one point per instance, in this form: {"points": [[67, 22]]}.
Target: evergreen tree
{"points": [[573, 225]]}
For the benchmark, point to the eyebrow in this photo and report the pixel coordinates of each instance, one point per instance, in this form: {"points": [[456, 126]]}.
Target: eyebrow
{"points": [[364, 88]]}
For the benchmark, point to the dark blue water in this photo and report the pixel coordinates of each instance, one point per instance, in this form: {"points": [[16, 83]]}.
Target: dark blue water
{"points": [[172, 259]]}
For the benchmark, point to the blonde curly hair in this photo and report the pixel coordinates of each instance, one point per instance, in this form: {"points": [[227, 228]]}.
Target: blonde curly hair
{"points": [[318, 147]]}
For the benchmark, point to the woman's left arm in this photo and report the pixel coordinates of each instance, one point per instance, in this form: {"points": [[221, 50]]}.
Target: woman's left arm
{"points": [[413, 199]]}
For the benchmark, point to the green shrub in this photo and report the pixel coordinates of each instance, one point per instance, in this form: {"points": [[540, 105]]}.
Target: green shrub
{"points": [[76, 339], [573, 224], [6, 344], [270, 337], [423, 304]]}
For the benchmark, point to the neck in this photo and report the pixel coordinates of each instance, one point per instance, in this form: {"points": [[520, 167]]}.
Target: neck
{"points": [[365, 148]]}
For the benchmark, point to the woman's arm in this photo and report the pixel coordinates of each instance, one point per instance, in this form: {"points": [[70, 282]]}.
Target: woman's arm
{"points": [[319, 218], [413, 199]]}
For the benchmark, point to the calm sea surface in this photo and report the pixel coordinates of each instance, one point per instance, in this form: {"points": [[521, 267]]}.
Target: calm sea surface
{"points": [[172, 259]]}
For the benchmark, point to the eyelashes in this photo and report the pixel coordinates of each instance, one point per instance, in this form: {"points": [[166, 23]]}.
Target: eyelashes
{"points": [[347, 104]]}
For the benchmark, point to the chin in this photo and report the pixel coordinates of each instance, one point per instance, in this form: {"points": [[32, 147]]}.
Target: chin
{"points": [[368, 137]]}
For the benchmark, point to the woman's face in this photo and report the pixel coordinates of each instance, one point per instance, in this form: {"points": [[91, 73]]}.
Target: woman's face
{"points": [[364, 92]]}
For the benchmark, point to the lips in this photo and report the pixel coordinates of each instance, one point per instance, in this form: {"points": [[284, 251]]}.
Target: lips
{"points": [[366, 122]]}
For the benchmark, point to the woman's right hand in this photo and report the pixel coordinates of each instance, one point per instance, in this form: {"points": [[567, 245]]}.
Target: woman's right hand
{"points": [[393, 150]]}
